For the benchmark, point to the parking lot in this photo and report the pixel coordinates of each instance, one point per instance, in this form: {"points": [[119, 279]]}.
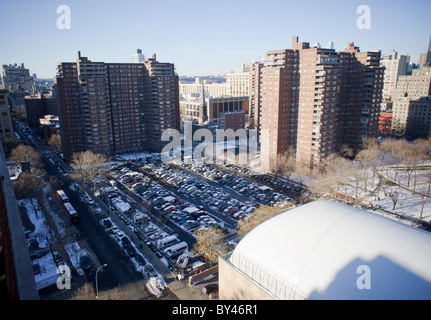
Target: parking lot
{"points": [[160, 206]]}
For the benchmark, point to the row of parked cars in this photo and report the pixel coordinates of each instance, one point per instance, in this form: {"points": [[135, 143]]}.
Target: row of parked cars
{"points": [[141, 264], [258, 193], [112, 193], [201, 192], [281, 183], [85, 197], [184, 214], [157, 196]]}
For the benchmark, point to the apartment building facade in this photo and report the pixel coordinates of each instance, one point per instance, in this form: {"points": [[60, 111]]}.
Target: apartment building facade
{"points": [[232, 120], [385, 125], [254, 94], [209, 88], [276, 107], [115, 108], [6, 128], [395, 66], [237, 83], [16, 78], [314, 100], [412, 117], [370, 86], [414, 86]]}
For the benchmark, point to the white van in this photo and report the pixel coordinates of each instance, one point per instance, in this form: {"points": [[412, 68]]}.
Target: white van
{"points": [[176, 249], [167, 242]]}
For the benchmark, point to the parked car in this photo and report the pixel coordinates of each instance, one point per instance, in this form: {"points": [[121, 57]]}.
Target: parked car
{"points": [[107, 223], [150, 270], [95, 208], [140, 259], [85, 262], [131, 251], [125, 241]]}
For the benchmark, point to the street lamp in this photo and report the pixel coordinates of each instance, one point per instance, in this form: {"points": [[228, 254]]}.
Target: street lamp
{"points": [[97, 289]]}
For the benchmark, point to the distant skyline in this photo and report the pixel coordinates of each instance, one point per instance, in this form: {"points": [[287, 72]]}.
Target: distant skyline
{"points": [[201, 38]]}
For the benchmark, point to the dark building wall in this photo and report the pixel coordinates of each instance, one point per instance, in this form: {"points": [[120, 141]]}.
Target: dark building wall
{"points": [[16, 271], [37, 108]]}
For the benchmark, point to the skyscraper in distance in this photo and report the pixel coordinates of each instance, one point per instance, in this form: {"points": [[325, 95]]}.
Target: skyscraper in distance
{"points": [[138, 57], [425, 57]]}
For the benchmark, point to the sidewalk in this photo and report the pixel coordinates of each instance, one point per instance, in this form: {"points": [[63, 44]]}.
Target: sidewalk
{"points": [[184, 292]]}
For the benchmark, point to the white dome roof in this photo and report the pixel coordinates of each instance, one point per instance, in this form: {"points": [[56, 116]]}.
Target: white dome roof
{"points": [[316, 252]]}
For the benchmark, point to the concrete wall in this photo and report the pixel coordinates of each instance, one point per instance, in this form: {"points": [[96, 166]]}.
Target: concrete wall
{"points": [[235, 285], [203, 274], [16, 253]]}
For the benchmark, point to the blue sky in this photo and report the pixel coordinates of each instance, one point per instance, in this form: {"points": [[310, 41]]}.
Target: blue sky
{"points": [[201, 37]]}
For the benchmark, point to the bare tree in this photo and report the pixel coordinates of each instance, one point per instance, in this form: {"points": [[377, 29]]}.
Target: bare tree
{"points": [[424, 197], [20, 112], [394, 195], [421, 155], [259, 216], [86, 292], [368, 159], [302, 171], [346, 151], [24, 153], [115, 294], [392, 154], [29, 183], [55, 141], [334, 178], [9, 144], [369, 143], [324, 184], [285, 163], [89, 165], [428, 180], [210, 243]]}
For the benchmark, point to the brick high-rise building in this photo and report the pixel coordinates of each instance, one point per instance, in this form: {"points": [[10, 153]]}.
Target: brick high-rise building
{"points": [[163, 106], [115, 108], [254, 94], [314, 100], [318, 105], [361, 92]]}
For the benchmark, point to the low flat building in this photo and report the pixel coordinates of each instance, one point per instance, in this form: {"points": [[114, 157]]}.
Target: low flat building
{"points": [[48, 126], [37, 107], [192, 108]]}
